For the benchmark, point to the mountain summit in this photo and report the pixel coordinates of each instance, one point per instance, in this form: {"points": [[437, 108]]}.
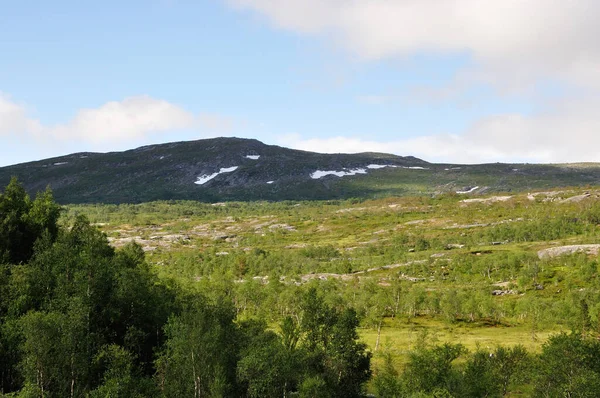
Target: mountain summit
{"points": [[223, 169]]}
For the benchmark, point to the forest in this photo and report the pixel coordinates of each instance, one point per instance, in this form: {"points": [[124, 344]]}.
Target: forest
{"points": [[396, 297]]}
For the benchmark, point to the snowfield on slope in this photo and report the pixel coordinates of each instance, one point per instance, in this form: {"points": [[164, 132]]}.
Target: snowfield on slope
{"points": [[350, 172], [203, 179], [468, 191], [320, 173]]}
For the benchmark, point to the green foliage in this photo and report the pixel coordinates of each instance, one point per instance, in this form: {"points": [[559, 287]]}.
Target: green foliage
{"points": [[569, 366], [320, 252], [23, 222], [540, 229], [268, 366], [314, 387], [199, 355], [449, 370], [511, 366], [120, 378], [387, 381], [73, 297], [430, 369], [42, 334], [330, 344]]}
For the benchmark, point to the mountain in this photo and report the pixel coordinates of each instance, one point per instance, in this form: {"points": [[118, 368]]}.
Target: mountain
{"points": [[224, 169]]}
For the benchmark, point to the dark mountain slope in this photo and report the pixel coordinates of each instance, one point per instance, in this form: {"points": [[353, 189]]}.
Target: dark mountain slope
{"points": [[242, 169]]}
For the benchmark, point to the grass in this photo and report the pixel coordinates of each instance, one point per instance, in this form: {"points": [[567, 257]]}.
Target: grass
{"points": [[398, 336]]}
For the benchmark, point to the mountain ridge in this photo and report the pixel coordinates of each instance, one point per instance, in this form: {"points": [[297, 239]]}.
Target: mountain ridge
{"points": [[227, 169]]}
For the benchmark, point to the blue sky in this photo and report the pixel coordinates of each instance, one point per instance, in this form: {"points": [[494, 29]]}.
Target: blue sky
{"points": [[446, 81]]}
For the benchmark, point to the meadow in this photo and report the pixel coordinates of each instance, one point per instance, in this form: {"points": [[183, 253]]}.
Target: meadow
{"points": [[446, 269]]}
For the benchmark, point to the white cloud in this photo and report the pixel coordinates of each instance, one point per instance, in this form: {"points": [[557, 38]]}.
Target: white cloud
{"points": [[117, 121], [131, 118], [569, 132], [13, 117], [512, 42]]}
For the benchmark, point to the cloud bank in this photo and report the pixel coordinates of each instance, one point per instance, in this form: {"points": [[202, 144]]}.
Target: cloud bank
{"points": [[131, 119], [13, 118], [512, 42], [568, 131]]}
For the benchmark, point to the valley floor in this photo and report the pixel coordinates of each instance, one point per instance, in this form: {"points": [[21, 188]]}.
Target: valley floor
{"points": [[469, 270]]}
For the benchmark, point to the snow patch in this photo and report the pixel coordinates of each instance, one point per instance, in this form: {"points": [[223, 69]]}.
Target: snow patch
{"points": [[379, 166], [468, 191], [270, 182], [60, 163], [253, 157], [203, 179], [350, 172], [320, 173]]}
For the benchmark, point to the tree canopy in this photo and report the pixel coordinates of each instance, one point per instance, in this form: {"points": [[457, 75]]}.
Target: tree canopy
{"points": [[79, 318]]}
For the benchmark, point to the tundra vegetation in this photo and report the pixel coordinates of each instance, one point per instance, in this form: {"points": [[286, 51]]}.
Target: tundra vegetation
{"points": [[398, 297]]}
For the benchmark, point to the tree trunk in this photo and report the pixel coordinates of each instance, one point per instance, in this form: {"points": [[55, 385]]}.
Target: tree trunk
{"points": [[196, 386], [41, 381], [72, 377], [378, 333]]}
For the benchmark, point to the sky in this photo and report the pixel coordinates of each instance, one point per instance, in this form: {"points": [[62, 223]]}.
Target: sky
{"points": [[461, 81]]}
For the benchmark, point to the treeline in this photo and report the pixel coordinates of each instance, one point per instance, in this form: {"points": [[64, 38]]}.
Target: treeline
{"points": [[79, 319]]}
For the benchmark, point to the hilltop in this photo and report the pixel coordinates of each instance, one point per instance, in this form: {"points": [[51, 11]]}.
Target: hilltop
{"points": [[226, 169]]}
